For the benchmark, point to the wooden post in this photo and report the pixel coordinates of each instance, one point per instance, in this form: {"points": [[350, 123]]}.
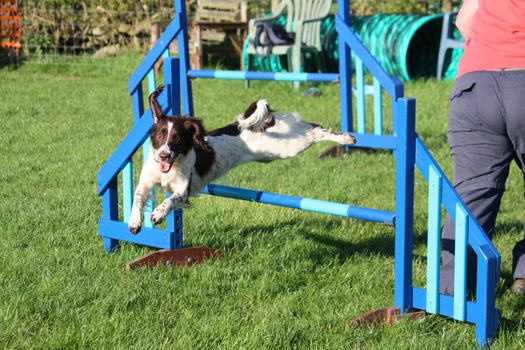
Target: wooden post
{"points": [[275, 5], [244, 11], [196, 57], [155, 34], [446, 6]]}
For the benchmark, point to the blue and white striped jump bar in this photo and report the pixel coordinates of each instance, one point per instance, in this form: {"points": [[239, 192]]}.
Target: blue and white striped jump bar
{"points": [[246, 75], [301, 203]]}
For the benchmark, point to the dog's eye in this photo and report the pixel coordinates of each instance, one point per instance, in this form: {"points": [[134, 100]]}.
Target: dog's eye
{"points": [[162, 134]]}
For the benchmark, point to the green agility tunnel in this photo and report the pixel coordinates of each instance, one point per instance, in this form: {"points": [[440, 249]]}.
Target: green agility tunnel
{"points": [[406, 45]]}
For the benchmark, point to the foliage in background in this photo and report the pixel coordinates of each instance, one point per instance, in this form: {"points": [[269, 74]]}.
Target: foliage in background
{"points": [[369, 7], [78, 26]]}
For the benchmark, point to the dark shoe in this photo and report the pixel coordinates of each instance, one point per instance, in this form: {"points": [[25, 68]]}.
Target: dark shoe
{"points": [[518, 286]]}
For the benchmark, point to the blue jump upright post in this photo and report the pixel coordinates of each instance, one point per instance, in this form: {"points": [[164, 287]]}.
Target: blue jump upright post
{"points": [[110, 228], [405, 154], [172, 78], [409, 151], [345, 71]]}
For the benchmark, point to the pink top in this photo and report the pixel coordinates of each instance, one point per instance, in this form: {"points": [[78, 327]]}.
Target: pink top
{"points": [[497, 38]]}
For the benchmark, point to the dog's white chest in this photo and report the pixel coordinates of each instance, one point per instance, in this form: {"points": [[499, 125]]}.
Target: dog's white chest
{"points": [[179, 173]]}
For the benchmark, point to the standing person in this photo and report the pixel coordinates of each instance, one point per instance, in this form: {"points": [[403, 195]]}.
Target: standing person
{"points": [[486, 130]]}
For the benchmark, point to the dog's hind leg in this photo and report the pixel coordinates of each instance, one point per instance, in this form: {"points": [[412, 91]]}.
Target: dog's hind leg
{"points": [[319, 134], [298, 140]]}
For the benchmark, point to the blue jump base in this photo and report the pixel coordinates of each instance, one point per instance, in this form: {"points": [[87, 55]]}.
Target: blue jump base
{"points": [[409, 152]]}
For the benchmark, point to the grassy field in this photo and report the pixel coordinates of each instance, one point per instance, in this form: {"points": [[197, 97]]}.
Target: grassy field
{"points": [[290, 279]]}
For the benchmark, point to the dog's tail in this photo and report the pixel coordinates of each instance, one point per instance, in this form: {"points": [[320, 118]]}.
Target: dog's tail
{"points": [[255, 116], [156, 111]]}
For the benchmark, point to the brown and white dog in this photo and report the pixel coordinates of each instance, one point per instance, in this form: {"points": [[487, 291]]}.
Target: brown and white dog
{"points": [[184, 158]]}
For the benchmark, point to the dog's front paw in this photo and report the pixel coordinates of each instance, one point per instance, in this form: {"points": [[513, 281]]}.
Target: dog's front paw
{"points": [[158, 215], [134, 227]]}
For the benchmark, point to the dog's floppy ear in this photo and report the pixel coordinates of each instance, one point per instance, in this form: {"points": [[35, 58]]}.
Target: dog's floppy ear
{"points": [[194, 126], [156, 111]]}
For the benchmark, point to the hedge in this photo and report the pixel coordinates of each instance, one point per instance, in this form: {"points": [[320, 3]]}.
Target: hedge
{"points": [[77, 26]]}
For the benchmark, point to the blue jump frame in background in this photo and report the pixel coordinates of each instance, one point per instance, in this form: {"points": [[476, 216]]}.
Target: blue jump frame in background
{"points": [[408, 149]]}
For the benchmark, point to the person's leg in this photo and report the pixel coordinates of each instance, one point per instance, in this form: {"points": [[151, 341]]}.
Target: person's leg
{"points": [[514, 102], [518, 253], [481, 154], [484, 204]]}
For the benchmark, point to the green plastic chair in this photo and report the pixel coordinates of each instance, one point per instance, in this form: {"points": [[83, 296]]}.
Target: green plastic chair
{"points": [[304, 18]]}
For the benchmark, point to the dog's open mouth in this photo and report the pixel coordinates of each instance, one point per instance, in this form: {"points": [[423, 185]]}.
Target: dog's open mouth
{"points": [[165, 166]]}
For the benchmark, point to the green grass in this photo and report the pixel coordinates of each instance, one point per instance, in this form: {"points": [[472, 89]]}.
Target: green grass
{"points": [[290, 279]]}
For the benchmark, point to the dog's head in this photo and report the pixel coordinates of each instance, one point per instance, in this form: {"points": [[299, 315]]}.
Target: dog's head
{"points": [[173, 137]]}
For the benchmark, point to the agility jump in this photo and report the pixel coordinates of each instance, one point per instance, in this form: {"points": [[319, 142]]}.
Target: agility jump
{"points": [[409, 151]]}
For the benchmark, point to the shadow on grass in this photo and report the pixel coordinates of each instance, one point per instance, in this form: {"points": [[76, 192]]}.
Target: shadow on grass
{"points": [[328, 247], [339, 152], [432, 138], [514, 304], [505, 281], [508, 227], [381, 243], [376, 243]]}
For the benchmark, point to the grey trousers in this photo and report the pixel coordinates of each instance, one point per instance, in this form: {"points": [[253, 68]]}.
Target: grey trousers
{"points": [[486, 132]]}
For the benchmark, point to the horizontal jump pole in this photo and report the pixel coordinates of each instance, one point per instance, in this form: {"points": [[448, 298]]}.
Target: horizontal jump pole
{"points": [[247, 75], [308, 204]]}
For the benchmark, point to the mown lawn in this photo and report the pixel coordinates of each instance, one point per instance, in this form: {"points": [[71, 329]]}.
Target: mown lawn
{"points": [[290, 279]]}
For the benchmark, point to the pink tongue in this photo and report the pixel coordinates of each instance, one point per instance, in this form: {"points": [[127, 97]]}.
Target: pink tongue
{"points": [[165, 167]]}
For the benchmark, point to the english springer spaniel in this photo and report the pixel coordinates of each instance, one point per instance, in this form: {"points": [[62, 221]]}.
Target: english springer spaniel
{"points": [[184, 158]]}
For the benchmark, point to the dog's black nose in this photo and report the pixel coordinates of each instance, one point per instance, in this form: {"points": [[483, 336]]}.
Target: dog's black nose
{"points": [[164, 157]]}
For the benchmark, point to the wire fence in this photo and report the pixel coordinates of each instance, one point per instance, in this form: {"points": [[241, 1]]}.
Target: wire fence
{"points": [[94, 29], [70, 40], [103, 28], [76, 32]]}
